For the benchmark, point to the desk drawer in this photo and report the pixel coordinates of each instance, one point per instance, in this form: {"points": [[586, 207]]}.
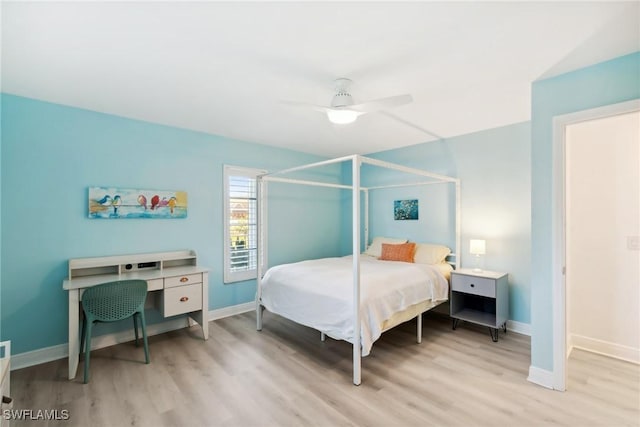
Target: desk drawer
{"points": [[182, 299], [187, 279], [473, 285], [155, 284]]}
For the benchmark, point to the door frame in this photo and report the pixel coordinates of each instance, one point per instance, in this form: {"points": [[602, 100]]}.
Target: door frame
{"points": [[558, 227]]}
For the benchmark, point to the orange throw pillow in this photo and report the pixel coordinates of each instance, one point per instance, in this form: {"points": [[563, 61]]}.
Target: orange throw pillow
{"points": [[402, 252]]}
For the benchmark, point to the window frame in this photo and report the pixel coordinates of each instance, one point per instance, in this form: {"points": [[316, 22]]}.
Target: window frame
{"points": [[252, 173]]}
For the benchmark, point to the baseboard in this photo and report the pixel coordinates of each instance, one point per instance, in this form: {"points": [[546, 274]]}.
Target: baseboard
{"points": [[48, 354], [540, 377], [519, 327], [61, 351], [617, 351], [223, 312]]}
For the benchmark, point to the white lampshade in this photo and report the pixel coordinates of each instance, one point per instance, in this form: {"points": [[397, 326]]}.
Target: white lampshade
{"points": [[342, 117], [477, 247]]}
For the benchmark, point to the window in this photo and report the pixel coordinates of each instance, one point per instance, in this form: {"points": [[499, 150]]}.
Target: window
{"points": [[240, 219]]}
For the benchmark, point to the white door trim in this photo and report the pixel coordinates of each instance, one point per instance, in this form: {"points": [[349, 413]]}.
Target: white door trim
{"points": [[558, 227]]}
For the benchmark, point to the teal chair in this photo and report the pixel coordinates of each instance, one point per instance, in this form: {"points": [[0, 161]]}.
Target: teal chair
{"points": [[110, 302]]}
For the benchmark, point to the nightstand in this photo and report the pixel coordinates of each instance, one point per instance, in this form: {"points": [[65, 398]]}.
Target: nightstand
{"points": [[481, 298]]}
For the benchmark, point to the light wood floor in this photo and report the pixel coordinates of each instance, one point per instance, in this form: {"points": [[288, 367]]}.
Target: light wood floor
{"points": [[285, 376]]}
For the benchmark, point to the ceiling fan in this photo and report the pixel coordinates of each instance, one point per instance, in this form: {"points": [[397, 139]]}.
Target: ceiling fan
{"points": [[343, 110]]}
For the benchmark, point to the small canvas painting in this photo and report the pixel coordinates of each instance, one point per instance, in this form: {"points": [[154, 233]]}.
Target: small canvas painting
{"points": [[111, 203], [405, 209]]}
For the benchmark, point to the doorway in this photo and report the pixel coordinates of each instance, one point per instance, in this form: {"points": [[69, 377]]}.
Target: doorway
{"points": [[576, 209]]}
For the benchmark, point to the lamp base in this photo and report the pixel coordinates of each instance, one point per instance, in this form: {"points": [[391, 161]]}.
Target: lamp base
{"points": [[477, 263]]}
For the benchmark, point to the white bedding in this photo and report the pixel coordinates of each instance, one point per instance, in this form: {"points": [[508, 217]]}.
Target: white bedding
{"points": [[319, 293]]}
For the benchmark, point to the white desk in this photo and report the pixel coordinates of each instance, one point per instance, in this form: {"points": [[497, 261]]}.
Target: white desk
{"points": [[179, 285]]}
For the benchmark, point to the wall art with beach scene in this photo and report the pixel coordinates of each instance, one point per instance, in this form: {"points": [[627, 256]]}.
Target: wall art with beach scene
{"points": [[116, 203]]}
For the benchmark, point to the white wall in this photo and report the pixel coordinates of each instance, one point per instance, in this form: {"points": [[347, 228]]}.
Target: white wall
{"points": [[603, 273]]}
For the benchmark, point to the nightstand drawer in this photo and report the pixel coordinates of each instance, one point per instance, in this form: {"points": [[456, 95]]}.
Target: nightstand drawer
{"points": [[181, 299], [473, 285]]}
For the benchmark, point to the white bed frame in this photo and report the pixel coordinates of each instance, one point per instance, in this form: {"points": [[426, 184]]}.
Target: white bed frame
{"points": [[357, 161]]}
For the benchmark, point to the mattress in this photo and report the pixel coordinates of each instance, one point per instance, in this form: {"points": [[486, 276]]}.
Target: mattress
{"points": [[319, 294]]}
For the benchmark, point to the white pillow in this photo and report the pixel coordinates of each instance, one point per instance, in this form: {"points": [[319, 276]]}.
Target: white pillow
{"points": [[427, 253], [375, 249]]}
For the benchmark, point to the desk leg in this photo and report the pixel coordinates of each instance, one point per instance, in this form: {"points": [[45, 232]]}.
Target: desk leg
{"points": [[74, 345], [201, 318], [205, 306], [205, 325]]}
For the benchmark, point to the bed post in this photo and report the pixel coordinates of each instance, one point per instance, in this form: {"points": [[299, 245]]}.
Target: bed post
{"points": [[366, 217], [458, 225], [259, 242], [357, 350]]}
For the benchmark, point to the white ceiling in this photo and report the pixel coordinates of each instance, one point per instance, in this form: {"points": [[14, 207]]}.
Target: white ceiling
{"points": [[223, 68]]}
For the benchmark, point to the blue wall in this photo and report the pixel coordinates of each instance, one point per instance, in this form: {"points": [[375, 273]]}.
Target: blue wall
{"points": [[607, 83], [494, 170], [1, 334], [52, 153]]}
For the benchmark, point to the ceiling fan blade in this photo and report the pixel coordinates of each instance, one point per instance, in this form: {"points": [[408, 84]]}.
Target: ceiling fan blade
{"points": [[305, 105], [381, 104]]}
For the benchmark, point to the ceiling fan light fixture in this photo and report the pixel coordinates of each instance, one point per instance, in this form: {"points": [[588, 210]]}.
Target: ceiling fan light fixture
{"points": [[343, 110], [342, 117]]}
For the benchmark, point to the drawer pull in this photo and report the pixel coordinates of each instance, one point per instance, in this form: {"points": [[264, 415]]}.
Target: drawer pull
{"points": [[184, 279], [184, 299], [472, 285]]}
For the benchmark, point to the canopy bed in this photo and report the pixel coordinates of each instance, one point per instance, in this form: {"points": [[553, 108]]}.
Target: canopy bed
{"points": [[321, 293]]}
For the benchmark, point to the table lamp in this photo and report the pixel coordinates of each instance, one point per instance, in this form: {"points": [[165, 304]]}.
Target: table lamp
{"points": [[477, 249]]}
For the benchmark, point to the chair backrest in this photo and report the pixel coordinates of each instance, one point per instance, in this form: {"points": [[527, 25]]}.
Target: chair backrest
{"points": [[117, 300]]}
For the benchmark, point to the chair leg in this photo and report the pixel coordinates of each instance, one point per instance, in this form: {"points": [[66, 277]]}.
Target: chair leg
{"points": [[135, 326], [87, 351], [144, 337]]}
